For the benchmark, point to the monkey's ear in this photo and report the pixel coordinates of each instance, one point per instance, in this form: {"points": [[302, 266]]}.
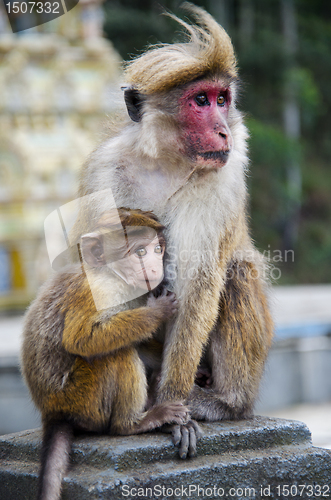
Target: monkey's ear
{"points": [[134, 102], [92, 249]]}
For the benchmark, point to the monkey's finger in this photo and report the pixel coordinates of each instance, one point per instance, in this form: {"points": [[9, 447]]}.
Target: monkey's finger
{"points": [[209, 381], [192, 450], [184, 418], [182, 413], [176, 435], [175, 305], [197, 428], [184, 444], [179, 415]]}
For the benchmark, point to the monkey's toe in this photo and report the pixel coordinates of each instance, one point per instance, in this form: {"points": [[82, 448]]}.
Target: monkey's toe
{"points": [[185, 436]]}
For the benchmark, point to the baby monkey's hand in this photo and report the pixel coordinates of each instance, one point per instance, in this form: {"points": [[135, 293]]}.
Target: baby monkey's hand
{"points": [[166, 303]]}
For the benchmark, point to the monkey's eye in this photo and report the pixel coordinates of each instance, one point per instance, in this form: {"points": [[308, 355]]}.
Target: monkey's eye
{"points": [[158, 249], [221, 100], [202, 99], [141, 252]]}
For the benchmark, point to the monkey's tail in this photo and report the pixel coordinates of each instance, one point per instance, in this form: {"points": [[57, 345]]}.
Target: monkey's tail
{"points": [[56, 447]]}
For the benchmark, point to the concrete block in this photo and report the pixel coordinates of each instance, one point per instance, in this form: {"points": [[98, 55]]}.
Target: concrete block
{"points": [[235, 459]]}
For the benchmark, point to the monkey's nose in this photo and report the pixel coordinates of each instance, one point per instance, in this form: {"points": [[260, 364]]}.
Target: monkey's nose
{"points": [[225, 138]]}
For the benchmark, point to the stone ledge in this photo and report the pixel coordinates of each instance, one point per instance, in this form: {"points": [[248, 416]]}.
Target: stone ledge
{"points": [[249, 454], [133, 451]]}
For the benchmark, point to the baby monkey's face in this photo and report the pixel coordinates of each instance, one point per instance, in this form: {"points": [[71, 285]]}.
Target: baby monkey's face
{"points": [[135, 254], [142, 267], [147, 263]]}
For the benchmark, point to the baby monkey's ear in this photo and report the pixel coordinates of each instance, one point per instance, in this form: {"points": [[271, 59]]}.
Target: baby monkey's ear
{"points": [[92, 249]]}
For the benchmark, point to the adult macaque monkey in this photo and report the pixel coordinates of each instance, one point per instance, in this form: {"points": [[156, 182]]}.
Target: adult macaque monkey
{"points": [[81, 364], [183, 156]]}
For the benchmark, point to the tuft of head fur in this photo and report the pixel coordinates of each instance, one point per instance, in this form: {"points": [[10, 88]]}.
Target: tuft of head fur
{"points": [[208, 51], [137, 218]]}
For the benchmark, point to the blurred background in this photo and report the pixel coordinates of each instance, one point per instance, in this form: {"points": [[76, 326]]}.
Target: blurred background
{"points": [[59, 87]]}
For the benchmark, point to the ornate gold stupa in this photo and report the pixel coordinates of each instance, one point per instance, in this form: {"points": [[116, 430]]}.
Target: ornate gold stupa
{"points": [[58, 82]]}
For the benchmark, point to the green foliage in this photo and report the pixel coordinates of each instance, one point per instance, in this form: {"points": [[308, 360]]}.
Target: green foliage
{"points": [[132, 29], [133, 25], [265, 69], [270, 150]]}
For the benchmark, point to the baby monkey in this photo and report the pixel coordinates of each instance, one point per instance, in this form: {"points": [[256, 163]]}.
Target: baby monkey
{"points": [[80, 340]]}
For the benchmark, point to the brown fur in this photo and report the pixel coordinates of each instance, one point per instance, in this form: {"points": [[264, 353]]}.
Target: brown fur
{"points": [[83, 368], [222, 318]]}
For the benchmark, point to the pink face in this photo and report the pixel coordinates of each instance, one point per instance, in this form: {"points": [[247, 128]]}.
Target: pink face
{"points": [[203, 115]]}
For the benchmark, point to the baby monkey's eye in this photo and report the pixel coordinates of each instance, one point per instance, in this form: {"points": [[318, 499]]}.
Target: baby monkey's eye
{"points": [[221, 100], [158, 249], [141, 252], [202, 99]]}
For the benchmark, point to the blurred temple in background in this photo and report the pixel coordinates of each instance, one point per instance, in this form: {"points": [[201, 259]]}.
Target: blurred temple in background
{"points": [[57, 83]]}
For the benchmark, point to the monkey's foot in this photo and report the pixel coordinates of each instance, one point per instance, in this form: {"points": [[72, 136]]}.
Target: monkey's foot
{"points": [[185, 437]]}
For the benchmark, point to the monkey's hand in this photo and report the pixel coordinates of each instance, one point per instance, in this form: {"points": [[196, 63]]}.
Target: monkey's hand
{"points": [[166, 303], [169, 413], [185, 437]]}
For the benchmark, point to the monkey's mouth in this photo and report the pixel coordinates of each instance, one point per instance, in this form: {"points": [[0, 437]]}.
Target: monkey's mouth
{"points": [[219, 156]]}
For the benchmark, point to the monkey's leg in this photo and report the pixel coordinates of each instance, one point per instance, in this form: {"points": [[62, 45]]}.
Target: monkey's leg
{"points": [[127, 415], [86, 399], [237, 349]]}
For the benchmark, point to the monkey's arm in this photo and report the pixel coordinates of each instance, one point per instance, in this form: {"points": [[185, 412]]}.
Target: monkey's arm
{"points": [[98, 333], [188, 335], [101, 334]]}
